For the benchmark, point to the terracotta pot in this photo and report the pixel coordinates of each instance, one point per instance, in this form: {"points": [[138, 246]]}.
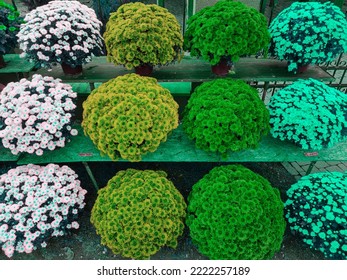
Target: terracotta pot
{"points": [[302, 68], [144, 70], [69, 70], [2, 61], [222, 68]]}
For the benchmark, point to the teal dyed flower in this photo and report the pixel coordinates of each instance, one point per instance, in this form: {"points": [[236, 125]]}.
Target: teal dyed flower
{"points": [[234, 213], [316, 210], [308, 33], [225, 114], [226, 30], [310, 114]]}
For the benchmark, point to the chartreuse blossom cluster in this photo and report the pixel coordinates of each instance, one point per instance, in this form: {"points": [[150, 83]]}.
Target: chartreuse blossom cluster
{"points": [[225, 114], [228, 30], [316, 210], [308, 33], [35, 115], [234, 213], [9, 26], [310, 114], [60, 32], [36, 203], [138, 212], [143, 34], [129, 116]]}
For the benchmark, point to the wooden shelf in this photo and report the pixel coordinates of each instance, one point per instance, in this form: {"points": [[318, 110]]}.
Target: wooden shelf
{"points": [[15, 64], [192, 70], [178, 148]]}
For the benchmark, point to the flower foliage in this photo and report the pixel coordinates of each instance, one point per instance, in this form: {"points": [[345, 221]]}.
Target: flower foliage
{"points": [[310, 114], [36, 203], [225, 114], [129, 116], [35, 115], [143, 34], [234, 213], [227, 29], [316, 210], [308, 33], [9, 27], [61, 32], [138, 212]]}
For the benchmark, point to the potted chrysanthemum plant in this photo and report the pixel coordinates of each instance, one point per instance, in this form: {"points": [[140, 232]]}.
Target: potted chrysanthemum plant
{"points": [[222, 33], [63, 32]]}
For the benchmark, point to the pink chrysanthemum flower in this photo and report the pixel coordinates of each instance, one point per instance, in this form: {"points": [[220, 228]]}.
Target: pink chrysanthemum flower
{"points": [[53, 29], [42, 209], [36, 113]]}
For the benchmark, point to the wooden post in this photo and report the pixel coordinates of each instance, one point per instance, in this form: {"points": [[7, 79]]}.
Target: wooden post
{"points": [[189, 11], [161, 3], [262, 7]]}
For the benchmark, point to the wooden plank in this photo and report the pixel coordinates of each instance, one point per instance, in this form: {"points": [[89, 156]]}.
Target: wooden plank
{"points": [[193, 70], [161, 3], [15, 64], [178, 148], [176, 89], [6, 155]]}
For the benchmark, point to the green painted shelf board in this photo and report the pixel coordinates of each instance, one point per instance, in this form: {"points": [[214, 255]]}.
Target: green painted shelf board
{"points": [[182, 89], [193, 70], [178, 148], [6, 155], [15, 64]]}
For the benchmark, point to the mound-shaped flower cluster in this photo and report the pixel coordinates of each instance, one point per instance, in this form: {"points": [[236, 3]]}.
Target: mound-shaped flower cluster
{"points": [[225, 114], [316, 210], [35, 115], [234, 213], [228, 29], [60, 32], [310, 114], [138, 212], [308, 33], [129, 116], [36, 203], [143, 34], [9, 27]]}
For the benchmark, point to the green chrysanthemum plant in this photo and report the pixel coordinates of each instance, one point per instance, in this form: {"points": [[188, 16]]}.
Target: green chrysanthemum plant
{"points": [[308, 33], [138, 213], [316, 211], [225, 115], [310, 114], [221, 33], [9, 27], [129, 116], [139, 36], [234, 213]]}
